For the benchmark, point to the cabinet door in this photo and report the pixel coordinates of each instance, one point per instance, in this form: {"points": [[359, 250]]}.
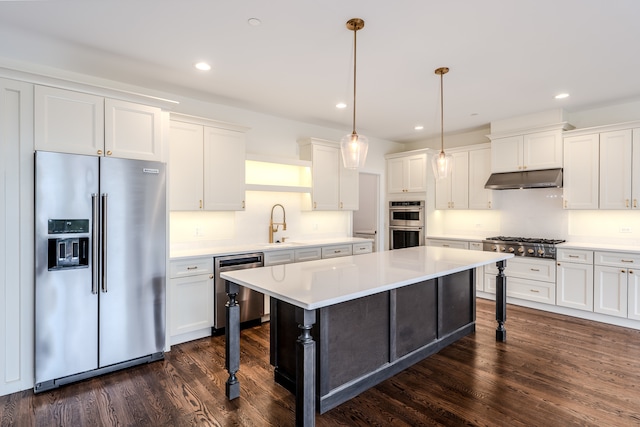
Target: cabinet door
{"points": [[443, 193], [349, 189], [479, 171], [68, 122], [542, 150], [581, 169], [575, 286], [132, 131], [224, 163], [615, 170], [416, 173], [635, 170], [191, 303], [634, 295], [186, 175], [326, 178], [610, 291], [506, 154], [460, 181], [395, 175]]}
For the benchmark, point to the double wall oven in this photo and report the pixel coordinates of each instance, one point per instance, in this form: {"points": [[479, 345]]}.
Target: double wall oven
{"points": [[406, 224]]}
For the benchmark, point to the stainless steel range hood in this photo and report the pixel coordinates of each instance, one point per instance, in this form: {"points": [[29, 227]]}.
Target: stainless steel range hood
{"points": [[548, 178]]}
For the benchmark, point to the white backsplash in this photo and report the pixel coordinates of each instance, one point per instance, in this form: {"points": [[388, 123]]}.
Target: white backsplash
{"points": [[211, 229]]}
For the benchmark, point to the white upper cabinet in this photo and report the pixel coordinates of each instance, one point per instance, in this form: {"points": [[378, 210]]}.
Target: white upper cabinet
{"points": [[464, 189], [74, 122], [532, 151], [407, 173], [206, 166], [581, 169], [224, 170], [68, 122], [186, 168], [479, 172], [615, 169], [333, 187], [453, 192]]}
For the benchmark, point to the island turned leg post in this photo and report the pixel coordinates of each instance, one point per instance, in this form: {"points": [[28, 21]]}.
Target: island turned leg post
{"points": [[305, 369], [501, 302], [232, 335]]}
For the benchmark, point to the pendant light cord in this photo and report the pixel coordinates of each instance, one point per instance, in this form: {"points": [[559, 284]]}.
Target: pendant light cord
{"points": [[441, 115], [355, 55]]}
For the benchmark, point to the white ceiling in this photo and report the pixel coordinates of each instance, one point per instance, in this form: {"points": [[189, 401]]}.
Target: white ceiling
{"points": [[507, 57]]}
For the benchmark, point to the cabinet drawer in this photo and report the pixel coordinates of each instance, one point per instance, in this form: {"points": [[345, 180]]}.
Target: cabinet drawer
{"points": [[362, 248], [448, 243], [527, 268], [617, 259], [279, 257], [191, 267], [574, 255], [475, 246], [308, 254], [336, 251], [530, 290]]}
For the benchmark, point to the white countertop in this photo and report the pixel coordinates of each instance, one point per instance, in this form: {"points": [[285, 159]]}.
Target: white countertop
{"points": [[619, 247], [316, 284], [192, 252]]}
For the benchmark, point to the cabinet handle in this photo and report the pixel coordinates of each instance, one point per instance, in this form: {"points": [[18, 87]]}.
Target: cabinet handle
{"points": [[630, 271], [635, 203], [626, 203], [626, 260], [574, 256], [109, 153], [623, 271], [341, 205], [489, 205], [535, 291], [565, 204], [99, 152], [243, 205], [211, 276], [558, 264], [315, 205], [445, 246], [195, 267], [535, 269]]}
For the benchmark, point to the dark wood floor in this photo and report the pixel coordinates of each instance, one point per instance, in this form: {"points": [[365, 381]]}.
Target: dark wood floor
{"points": [[553, 371]]}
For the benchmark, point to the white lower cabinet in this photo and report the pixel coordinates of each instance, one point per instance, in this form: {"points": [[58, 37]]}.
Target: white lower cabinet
{"points": [[574, 273], [615, 283], [337, 251], [445, 243], [307, 254], [191, 298], [633, 285], [530, 279], [362, 248]]}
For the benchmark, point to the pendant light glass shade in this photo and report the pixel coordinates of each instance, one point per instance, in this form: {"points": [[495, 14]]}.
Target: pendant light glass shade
{"points": [[354, 147], [442, 163], [354, 150]]}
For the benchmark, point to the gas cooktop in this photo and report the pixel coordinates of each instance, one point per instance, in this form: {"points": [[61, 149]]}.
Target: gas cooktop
{"points": [[522, 246]]}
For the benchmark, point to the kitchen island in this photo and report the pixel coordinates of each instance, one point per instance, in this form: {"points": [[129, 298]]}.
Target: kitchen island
{"points": [[371, 316]]}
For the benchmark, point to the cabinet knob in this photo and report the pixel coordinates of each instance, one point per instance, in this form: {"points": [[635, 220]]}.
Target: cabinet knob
{"points": [[200, 203], [211, 276], [626, 203], [341, 205], [243, 206], [99, 152], [109, 153], [635, 203], [315, 205], [566, 204]]}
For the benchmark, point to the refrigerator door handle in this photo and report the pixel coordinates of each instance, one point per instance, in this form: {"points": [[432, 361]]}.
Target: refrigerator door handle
{"points": [[104, 242], [94, 243]]}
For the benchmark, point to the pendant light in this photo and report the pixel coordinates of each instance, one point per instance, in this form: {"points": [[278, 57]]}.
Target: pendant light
{"points": [[442, 163], [353, 146]]}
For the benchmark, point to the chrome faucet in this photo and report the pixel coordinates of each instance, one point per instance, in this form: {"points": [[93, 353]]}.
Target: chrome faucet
{"points": [[273, 226]]}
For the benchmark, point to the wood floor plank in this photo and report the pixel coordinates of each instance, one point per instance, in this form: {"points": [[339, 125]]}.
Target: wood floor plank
{"points": [[553, 370]]}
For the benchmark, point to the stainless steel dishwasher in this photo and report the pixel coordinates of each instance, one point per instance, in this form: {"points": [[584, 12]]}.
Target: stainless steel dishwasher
{"points": [[251, 302]]}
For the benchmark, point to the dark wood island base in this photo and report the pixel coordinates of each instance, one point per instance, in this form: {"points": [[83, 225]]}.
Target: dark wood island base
{"points": [[362, 342]]}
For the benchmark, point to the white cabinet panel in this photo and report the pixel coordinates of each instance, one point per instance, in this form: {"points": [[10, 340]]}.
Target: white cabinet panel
{"points": [[533, 151], [68, 122], [479, 172], [191, 296], [279, 257], [79, 123], [362, 248], [575, 285], [506, 154], [186, 168], [307, 254], [453, 192], [337, 251], [581, 185], [407, 174], [615, 169], [610, 291], [443, 243], [633, 283]]}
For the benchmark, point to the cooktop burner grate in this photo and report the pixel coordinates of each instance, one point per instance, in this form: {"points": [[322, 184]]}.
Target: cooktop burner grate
{"points": [[526, 240]]}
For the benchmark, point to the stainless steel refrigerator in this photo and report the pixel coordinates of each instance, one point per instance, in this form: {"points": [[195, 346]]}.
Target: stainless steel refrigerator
{"points": [[100, 265]]}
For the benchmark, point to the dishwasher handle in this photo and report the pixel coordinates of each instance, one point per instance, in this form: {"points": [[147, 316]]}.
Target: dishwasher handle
{"points": [[236, 262]]}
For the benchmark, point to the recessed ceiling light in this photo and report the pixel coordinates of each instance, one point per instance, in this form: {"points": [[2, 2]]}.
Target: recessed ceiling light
{"points": [[562, 95], [341, 105], [254, 22], [202, 66], [418, 127]]}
